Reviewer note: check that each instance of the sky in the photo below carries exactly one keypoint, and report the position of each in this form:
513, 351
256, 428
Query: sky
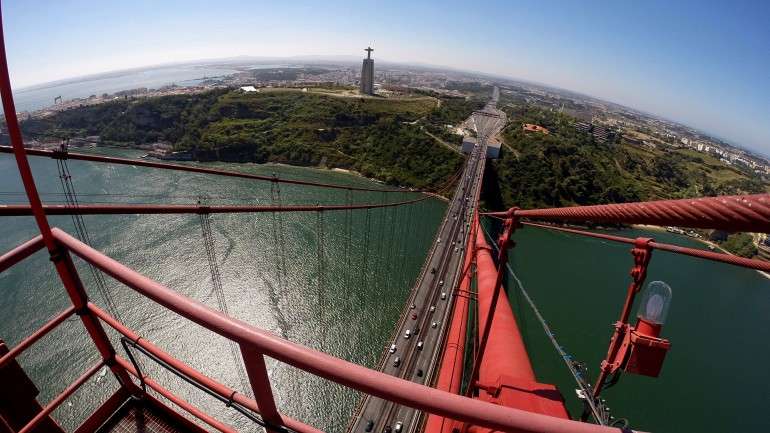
703, 63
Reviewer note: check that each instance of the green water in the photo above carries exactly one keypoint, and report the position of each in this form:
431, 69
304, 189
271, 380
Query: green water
351, 316
715, 378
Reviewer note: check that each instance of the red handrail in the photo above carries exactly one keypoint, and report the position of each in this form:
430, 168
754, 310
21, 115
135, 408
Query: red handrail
21, 252
37, 335
320, 364
59, 399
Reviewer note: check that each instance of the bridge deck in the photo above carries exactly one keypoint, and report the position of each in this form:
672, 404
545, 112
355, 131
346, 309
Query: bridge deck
417, 356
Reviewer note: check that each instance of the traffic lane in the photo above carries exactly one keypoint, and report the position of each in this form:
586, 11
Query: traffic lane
425, 289
373, 406
412, 351
431, 338
374, 409
422, 314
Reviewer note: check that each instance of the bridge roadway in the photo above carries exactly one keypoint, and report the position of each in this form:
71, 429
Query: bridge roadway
416, 357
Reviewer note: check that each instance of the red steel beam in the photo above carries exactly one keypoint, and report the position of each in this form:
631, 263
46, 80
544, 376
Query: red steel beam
745, 213
37, 335
191, 168
189, 408
505, 348
56, 402
328, 367
134, 209
62, 261
506, 376
220, 389
730, 259
17, 146
21, 252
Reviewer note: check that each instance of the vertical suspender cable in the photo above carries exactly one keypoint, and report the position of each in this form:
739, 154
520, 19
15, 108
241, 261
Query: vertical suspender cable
216, 279
391, 242
320, 256
348, 233
68, 188
367, 228
277, 241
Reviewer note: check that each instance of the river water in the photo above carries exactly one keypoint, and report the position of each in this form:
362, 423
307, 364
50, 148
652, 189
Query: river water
714, 378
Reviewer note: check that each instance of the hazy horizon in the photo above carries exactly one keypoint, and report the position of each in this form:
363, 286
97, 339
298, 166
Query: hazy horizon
701, 65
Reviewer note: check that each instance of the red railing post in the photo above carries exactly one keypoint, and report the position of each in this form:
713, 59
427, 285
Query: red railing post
260, 385
642, 253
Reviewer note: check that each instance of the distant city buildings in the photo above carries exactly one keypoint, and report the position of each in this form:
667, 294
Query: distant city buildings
367, 73
600, 133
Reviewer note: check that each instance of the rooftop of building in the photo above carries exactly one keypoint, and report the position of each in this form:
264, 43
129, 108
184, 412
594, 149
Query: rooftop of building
529, 127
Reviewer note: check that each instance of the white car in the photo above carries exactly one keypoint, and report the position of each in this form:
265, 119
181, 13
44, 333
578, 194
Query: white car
392, 348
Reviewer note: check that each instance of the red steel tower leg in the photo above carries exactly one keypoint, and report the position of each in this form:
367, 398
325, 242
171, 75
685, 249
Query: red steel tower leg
61, 258
504, 243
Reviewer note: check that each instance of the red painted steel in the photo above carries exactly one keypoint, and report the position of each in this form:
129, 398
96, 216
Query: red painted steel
104, 411
486, 324
222, 390
642, 254
19, 402
123, 209
37, 335
56, 402
260, 385
320, 364
14, 132
21, 252
452, 362
505, 353
186, 406
62, 261
693, 252
191, 168
506, 376
747, 213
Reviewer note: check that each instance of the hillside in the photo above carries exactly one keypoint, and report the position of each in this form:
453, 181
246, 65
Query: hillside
381, 138
387, 139
567, 167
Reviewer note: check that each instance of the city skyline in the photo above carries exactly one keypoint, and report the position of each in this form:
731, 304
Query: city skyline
704, 66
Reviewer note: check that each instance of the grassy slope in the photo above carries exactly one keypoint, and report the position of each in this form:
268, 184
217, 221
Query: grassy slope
567, 167
369, 135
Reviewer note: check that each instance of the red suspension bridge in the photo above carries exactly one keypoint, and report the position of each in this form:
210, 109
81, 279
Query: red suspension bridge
422, 383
